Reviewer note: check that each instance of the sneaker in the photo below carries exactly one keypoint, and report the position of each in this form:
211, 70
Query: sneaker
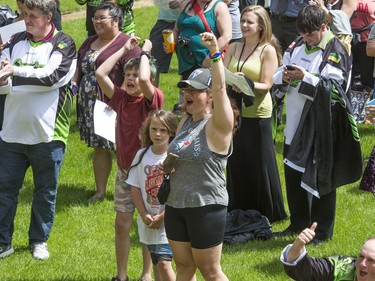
40, 251
6, 250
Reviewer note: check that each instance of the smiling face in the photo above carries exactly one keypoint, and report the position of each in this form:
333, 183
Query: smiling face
104, 23
250, 25
365, 265
131, 82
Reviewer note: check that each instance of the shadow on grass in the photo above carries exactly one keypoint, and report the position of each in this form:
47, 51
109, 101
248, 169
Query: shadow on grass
68, 195
270, 266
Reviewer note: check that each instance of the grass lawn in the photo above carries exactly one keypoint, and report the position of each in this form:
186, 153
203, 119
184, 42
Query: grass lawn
82, 239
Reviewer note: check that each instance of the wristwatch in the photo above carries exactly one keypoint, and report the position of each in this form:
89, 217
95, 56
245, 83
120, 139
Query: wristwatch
146, 53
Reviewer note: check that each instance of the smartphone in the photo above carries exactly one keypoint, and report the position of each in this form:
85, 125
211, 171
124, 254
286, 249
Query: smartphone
290, 67
169, 163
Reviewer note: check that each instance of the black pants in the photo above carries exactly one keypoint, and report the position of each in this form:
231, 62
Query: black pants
363, 64
305, 208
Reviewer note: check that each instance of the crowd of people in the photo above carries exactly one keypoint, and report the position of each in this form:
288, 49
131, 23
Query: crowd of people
224, 139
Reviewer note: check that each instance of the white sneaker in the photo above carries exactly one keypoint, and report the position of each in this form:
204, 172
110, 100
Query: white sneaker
40, 251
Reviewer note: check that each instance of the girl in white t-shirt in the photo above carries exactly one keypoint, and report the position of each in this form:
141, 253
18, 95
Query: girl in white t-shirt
145, 179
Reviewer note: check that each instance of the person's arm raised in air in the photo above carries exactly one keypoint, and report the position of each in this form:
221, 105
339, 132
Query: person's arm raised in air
105, 68
145, 83
220, 126
299, 244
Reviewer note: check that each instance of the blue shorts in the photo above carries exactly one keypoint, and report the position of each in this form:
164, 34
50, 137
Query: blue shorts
160, 252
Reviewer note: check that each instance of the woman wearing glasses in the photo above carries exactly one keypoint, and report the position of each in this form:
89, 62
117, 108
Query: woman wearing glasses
93, 52
195, 212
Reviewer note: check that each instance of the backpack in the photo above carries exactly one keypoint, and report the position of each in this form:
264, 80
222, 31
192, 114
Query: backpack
6, 15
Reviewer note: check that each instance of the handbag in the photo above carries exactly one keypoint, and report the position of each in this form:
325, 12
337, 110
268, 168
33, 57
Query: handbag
164, 190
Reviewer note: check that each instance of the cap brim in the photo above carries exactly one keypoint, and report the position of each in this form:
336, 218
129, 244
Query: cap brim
194, 84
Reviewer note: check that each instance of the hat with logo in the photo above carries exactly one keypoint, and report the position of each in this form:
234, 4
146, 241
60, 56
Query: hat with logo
199, 79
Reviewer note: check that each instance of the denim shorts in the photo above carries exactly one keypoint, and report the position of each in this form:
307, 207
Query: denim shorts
160, 252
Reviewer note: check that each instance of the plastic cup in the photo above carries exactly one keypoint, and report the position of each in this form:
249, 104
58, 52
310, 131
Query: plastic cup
168, 40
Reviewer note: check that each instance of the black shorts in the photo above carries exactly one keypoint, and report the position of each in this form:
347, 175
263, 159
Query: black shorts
203, 227
163, 60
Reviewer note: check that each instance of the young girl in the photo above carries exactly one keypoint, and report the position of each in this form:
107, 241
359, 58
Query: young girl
145, 179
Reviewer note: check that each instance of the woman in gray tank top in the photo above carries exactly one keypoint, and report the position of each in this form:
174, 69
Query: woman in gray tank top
197, 204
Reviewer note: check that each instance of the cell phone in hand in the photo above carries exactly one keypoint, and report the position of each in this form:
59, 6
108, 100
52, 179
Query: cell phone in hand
290, 67
169, 163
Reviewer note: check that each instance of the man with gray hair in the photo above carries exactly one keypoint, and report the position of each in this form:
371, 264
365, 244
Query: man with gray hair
36, 68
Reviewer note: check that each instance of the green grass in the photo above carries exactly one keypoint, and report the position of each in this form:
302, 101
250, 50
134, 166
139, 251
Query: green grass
82, 240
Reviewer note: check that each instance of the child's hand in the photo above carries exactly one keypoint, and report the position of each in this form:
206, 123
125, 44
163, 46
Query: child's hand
157, 222
131, 43
147, 220
147, 45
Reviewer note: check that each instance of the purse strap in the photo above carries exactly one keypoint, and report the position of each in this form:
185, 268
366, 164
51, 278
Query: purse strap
199, 13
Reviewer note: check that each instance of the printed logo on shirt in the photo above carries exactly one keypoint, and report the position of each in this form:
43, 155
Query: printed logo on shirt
154, 178
334, 57
62, 45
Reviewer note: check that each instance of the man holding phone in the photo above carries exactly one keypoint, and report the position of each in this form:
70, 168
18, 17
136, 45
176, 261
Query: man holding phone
315, 75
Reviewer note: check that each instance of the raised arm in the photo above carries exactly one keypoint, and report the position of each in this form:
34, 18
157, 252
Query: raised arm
219, 128
102, 73
145, 82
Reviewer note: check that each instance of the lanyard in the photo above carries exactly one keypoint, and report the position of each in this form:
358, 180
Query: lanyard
239, 69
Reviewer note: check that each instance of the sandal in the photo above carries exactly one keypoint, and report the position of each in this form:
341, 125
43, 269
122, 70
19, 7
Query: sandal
96, 199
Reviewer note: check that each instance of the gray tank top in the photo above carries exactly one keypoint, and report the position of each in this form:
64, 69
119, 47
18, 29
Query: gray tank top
199, 178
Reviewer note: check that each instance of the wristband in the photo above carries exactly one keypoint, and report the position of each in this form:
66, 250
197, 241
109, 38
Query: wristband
213, 60
215, 55
145, 53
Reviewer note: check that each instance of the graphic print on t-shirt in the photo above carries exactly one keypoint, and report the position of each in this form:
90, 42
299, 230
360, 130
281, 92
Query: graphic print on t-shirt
154, 178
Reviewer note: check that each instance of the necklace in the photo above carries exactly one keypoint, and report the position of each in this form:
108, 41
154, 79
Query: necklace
239, 69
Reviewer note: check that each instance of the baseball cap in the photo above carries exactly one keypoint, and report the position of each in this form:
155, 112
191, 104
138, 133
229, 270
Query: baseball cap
199, 79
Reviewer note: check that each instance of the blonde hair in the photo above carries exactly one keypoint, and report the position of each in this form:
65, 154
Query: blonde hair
266, 36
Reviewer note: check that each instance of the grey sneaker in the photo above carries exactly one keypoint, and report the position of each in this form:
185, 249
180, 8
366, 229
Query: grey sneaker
40, 251
6, 250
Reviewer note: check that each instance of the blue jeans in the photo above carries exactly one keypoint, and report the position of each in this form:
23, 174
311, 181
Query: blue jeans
45, 160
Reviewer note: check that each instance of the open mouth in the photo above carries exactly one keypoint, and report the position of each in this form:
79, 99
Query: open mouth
188, 102
362, 273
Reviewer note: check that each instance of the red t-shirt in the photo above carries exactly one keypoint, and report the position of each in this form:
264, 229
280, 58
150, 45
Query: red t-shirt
131, 112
